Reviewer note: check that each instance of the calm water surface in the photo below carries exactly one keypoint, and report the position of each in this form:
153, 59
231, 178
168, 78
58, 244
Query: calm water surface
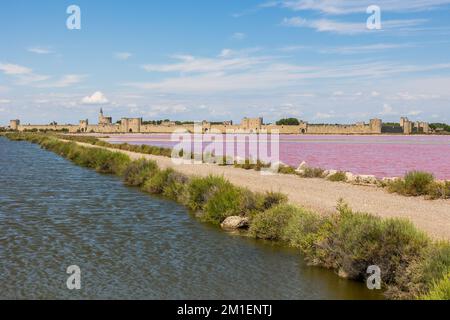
54, 214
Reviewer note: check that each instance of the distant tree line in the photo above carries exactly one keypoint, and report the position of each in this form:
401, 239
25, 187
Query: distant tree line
391, 124
288, 122
155, 122
444, 126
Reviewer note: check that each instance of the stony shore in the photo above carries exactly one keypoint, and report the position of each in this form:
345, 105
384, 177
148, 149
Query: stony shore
321, 195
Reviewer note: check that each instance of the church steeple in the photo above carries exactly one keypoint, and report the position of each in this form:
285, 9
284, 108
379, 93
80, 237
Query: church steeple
101, 111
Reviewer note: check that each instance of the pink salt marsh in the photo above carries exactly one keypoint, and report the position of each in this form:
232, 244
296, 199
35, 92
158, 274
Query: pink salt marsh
382, 156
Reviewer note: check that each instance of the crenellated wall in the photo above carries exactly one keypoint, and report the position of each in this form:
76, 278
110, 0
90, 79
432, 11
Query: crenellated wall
29, 127
248, 125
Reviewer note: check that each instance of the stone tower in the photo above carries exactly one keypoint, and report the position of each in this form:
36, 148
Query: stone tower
375, 125
407, 127
130, 125
84, 125
14, 124
252, 124
102, 120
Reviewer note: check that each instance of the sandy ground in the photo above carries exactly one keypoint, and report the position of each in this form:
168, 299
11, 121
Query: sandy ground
321, 195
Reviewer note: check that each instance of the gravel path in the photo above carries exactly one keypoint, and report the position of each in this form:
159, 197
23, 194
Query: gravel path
321, 195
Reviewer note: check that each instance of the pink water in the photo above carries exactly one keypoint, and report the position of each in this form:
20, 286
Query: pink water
382, 156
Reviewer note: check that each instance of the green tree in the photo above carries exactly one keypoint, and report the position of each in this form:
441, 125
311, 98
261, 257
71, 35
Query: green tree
288, 122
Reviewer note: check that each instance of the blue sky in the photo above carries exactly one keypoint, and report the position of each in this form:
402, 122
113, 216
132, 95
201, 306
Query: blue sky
220, 60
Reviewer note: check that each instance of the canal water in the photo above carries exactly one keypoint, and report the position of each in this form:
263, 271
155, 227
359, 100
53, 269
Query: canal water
130, 245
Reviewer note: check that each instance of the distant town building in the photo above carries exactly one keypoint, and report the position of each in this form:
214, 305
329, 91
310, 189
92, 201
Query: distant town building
410, 127
102, 120
252, 124
14, 124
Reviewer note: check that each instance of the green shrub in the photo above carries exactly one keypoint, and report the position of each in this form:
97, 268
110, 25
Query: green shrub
396, 186
247, 164
176, 187
418, 278
415, 183
157, 182
359, 240
272, 199
309, 172
305, 230
439, 190
251, 202
139, 171
201, 189
440, 290
101, 160
338, 177
225, 201
271, 224
286, 170
112, 163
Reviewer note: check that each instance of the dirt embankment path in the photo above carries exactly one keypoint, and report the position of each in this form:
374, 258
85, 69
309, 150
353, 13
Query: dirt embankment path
321, 195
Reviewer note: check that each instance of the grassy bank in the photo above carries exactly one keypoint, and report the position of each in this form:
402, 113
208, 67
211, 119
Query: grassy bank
412, 265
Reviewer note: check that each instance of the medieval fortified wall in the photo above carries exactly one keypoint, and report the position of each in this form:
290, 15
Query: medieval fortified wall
248, 125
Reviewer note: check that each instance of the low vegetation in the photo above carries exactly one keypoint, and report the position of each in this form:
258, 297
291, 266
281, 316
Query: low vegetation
249, 165
339, 176
417, 183
440, 290
310, 172
286, 169
413, 266
145, 149
348, 242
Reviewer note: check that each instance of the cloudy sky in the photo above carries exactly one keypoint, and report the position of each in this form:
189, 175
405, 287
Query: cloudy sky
225, 59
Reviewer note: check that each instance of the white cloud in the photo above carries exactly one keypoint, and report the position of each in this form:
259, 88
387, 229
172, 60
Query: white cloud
366, 48
225, 53
323, 115
23, 75
302, 95
122, 55
414, 113
388, 110
244, 72
4, 101
341, 7
14, 69
40, 50
96, 98
348, 28
406, 96
293, 48
227, 60
238, 36
63, 82
41, 101
375, 94
165, 109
